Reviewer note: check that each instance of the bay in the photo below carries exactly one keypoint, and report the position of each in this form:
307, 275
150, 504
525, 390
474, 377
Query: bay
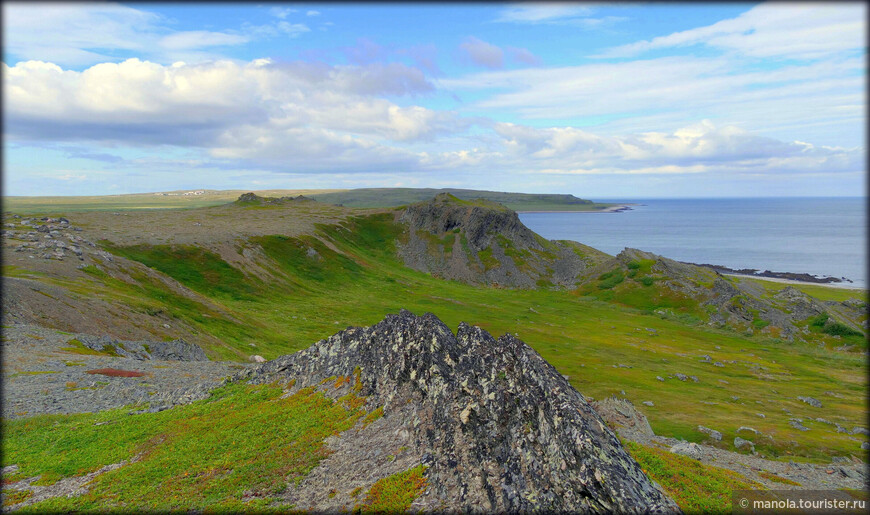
818, 236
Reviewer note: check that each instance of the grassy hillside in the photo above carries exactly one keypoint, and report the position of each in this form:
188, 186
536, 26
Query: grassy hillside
232, 452
390, 197
604, 341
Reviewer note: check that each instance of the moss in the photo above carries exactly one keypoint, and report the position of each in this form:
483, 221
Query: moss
394, 494
777, 479
374, 415
487, 259
13, 497
695, 487
77, 347
759, 323
208, 455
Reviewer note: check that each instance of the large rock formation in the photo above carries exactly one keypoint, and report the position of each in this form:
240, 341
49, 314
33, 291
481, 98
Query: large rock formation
498, 427
482, 242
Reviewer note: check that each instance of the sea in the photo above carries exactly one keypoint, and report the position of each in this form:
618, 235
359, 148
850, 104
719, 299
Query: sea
818, 236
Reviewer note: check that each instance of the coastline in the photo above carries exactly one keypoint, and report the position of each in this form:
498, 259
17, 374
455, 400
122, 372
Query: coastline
618, 208
839, 286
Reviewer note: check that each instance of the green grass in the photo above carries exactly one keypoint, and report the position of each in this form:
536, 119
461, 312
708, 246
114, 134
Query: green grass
206, 455
610, 279
77, 347
777, 479
820, 292
394, 494
822, 322
194, 267
695, 487
33, 373
374, 415
582, 333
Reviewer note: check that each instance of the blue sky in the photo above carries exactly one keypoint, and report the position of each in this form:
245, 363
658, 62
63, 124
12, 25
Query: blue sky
601, 100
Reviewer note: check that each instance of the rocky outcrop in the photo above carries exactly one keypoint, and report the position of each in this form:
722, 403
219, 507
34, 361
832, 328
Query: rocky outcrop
482, 242
252, 198
497, 426
175, 350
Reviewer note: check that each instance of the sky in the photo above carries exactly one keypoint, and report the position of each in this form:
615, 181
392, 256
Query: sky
612, 100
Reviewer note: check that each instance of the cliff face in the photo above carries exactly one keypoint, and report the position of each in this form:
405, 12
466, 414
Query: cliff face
482, 242
497, 426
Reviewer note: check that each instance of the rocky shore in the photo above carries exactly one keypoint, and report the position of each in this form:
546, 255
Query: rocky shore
789, 276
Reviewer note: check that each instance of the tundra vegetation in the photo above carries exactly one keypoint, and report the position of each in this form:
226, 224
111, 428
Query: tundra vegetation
616, 333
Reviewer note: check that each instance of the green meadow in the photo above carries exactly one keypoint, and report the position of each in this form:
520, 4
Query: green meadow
606, 339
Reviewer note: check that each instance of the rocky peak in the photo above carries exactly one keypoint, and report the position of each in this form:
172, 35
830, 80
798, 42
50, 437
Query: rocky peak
498, 427
479, 219
482, 242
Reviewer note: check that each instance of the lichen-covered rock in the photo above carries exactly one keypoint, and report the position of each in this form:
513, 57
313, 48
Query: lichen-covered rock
175, 350
498, 427
692, 450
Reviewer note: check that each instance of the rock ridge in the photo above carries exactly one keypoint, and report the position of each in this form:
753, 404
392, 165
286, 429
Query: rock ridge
483, 242
498, 427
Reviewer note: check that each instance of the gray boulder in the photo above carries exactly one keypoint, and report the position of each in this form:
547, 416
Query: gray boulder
740, 443
811, 401
689, 449
797, 424
712, 433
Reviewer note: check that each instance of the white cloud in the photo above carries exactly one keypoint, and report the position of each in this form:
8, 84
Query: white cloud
281, 12
257, 111
482, 53
792, 31
668, 91
698, 148
81, 34
64, 32
542, 12
200, 39
293, 29
72, 177
312, 13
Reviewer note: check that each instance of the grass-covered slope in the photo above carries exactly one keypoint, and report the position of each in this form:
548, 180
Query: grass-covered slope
698, 294
235, 451
391, 197
348, 273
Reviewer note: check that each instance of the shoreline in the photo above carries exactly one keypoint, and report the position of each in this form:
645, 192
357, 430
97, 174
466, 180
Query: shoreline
839, 286
619, 208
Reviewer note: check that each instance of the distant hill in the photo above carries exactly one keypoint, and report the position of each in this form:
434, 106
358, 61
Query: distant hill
391, 197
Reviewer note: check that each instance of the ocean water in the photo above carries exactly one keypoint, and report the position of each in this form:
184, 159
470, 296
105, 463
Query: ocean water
819, 236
